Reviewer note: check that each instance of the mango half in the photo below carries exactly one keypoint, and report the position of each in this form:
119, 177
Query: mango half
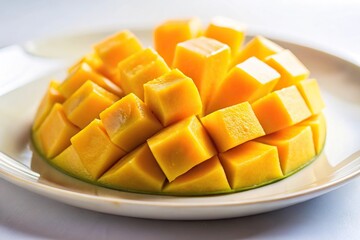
204, 115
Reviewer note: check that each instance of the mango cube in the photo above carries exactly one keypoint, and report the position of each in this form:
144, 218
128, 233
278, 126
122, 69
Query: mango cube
137, 171
318, 128
310, 91
140, 68
205, 61
290, 68
227, 31
206, 177
251, 164
181, 146
117, 47
168, 34
281, 109
231, 126
95, 149
83, 73
295, 146
51, 97
87, 103
54, 134
172, 97
129, 122
247, 81
259, 47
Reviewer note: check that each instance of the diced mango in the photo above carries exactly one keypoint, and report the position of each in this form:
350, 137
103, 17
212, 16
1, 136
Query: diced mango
140, 68
295, 146
281, 109
129, 122
247, 81
251, 164
95, 149
172, 97
231, 126
207, 177
54, 134
205, 61
318, 128
51, 97
181, 146
82, 74
310, 91
87, 103
227, 31
290, 68
259, 47
137, 171
117, 47
69, 161
168, 34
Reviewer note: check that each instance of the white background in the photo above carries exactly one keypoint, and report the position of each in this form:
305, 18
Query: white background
328, 24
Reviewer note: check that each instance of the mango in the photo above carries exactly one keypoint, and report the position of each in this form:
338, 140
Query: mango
140, 68
117, 47
227, 31
295, 146
87, 103
251, 164
205, 61
54, 134
310, 91
181, 146
207, 177
171, 32
281, 109
137, 171
318, 129
172, 97
290, 68
247, 81
129, 122
231, 126
51, 97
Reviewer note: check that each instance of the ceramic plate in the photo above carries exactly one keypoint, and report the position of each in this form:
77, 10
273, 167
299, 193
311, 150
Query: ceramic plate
26, 71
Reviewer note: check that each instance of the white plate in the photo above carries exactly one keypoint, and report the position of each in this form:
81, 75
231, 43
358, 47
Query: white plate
339, 163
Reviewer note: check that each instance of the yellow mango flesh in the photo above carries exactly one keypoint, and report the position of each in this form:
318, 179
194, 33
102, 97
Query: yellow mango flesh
281, 109
206, 177
290, 68
205, 61
129, 122
227, 31
247, 81
87, 103
310, 91
140, 68
168, 34
54, 134
172, 97
231, 126
259, 47
137, 171
82, 74
95, 149
295, 146
318, 128
51, 97
117, 47
251, 164
181, 146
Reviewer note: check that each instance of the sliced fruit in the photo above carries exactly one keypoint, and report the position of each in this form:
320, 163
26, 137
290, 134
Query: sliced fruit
310, 91
129, 122
172, 97
181, 146
318, 128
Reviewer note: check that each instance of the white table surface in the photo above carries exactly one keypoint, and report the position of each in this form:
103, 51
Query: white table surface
330, 24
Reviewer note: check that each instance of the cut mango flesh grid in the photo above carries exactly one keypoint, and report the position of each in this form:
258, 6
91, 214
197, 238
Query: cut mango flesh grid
201, 114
